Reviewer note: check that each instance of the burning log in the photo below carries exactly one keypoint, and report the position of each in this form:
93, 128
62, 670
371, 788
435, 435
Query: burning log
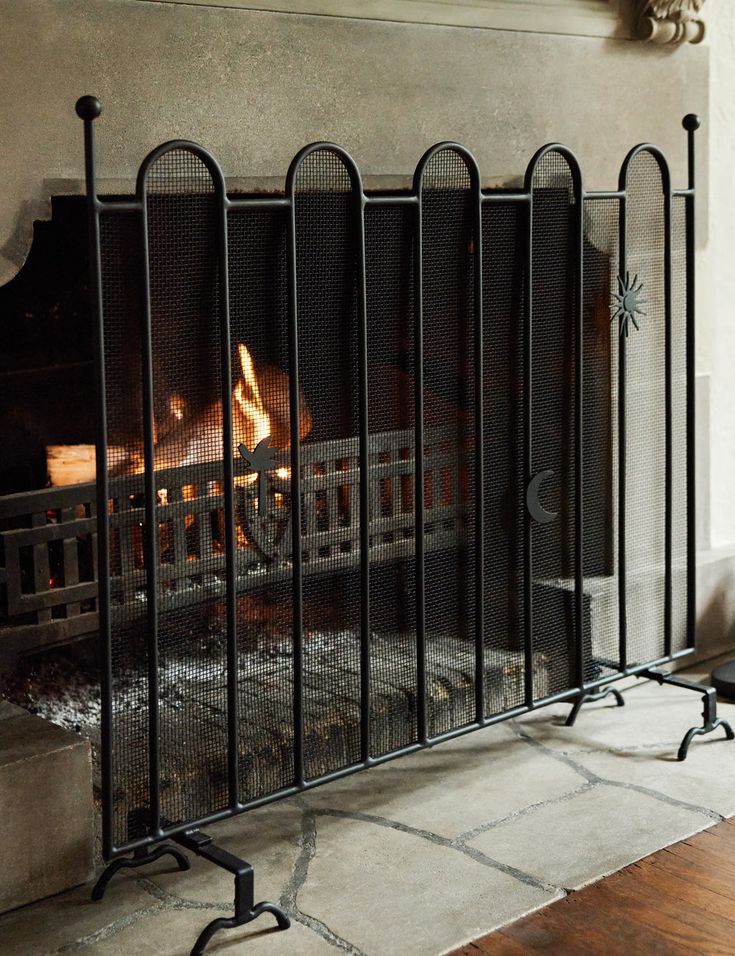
75, 464
70, 464
260, 409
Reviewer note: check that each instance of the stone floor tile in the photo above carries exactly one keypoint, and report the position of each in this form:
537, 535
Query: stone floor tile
693, 781
41, 928
495, 773
573, 841
654, 718
173, 932
393, 894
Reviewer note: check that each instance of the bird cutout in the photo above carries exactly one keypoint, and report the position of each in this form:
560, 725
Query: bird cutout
628, 303
259, 460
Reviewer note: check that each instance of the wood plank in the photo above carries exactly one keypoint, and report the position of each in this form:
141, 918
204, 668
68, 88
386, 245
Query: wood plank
724, 836
689, 870
682, 926
581, 925
499, 944
677, 902
714, 860
688, 892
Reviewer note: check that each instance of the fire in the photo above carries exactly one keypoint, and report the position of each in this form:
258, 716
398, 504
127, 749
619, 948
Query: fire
256, 421
190, 436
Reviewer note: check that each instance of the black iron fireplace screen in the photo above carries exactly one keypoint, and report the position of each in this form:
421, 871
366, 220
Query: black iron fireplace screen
378, 469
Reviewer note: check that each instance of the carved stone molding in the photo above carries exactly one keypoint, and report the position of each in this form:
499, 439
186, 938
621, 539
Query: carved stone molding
671, 21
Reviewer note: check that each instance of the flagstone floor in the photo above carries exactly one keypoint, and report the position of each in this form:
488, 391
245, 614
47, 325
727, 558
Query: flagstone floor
429, 851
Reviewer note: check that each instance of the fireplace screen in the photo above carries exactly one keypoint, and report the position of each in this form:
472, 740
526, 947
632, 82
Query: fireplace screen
377, 469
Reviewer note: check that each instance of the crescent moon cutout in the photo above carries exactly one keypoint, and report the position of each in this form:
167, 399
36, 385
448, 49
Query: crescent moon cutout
535, 508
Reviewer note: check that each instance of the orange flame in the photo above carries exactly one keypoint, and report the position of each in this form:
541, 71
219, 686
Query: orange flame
255, 420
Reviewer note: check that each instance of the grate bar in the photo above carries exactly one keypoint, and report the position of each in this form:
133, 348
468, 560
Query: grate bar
150, 530
528, 433
88, 108
622, 410
364, 426
419, 485
668, 400
691, 125
228, 446
579, 373
295, 444
479, 464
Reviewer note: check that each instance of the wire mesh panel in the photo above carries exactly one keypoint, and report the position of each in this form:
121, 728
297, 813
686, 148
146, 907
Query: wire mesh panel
553, 418
448, 399
128, 744
484, 502
259, 344
600, 411
326, 236
183, 264
389, 235
503, 371
645, 398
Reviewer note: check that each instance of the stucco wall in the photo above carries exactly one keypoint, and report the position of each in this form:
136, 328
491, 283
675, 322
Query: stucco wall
255, 87
716, 285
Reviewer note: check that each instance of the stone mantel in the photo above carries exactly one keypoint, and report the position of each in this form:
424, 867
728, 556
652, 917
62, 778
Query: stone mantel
659, 21
602, 18
255, 86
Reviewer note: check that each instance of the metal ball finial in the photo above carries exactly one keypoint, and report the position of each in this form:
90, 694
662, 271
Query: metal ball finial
691, 122
88, 107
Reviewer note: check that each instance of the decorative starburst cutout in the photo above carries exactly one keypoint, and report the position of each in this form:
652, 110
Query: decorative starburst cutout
628, 304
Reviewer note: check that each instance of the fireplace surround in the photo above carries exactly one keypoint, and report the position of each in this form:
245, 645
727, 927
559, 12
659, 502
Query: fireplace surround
373, 470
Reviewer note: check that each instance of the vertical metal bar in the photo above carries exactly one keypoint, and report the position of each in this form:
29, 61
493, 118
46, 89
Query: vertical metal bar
691, 125
579, 432
418, 277
364, 483
622, 340
233, 757
88, 108
479, 501
528, 449
668, 412
294, 411
150, 544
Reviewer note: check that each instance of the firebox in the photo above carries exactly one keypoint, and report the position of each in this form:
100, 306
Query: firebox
373, 469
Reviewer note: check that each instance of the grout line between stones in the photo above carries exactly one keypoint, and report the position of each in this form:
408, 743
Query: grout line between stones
327, 934
289, 895
106, 932
532, 807
453, 844
593, 778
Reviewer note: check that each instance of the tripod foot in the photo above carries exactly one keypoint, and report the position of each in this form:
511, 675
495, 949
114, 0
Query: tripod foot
700, 731
710, 720
139, 858
230, 922
591, 696
246, 910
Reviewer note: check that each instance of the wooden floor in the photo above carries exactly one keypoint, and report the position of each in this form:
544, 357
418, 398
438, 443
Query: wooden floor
678, 901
